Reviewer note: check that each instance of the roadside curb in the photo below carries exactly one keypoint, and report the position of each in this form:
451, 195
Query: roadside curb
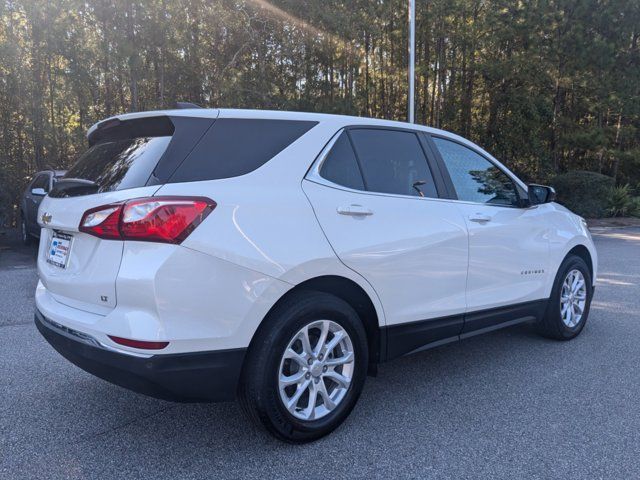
606, 229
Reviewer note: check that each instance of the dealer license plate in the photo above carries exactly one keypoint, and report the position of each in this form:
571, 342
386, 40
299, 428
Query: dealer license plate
59, 249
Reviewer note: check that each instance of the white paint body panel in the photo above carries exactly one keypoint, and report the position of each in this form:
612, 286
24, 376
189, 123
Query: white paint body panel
92, 268
413, 250
272, 230
508, 255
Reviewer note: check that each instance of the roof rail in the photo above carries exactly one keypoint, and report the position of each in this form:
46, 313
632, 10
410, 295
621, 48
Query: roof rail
183, 105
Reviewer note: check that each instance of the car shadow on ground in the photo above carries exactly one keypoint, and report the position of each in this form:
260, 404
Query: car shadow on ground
388, 399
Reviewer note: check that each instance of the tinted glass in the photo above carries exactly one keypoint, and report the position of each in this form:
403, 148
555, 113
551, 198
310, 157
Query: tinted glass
119, 164
392, 161
474, 177
233, 147
341, 166
41, 181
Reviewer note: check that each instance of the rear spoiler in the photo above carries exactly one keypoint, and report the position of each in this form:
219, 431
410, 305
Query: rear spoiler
115, 128
183, 110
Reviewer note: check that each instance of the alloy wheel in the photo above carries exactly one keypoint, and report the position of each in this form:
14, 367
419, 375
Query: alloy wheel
316, 370
573, 298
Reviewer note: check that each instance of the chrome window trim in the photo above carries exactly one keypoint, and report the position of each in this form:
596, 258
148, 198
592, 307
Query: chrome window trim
313, 175
314, 172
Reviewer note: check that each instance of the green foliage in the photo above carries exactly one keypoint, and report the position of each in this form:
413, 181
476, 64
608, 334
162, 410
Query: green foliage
584, 193
621, 203
545, 86
634, 207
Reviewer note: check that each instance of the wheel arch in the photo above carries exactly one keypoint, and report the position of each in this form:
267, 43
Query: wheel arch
583, 252
352, 293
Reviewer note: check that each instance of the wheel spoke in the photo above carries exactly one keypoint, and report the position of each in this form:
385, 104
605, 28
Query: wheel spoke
304, 338
324, 331
337, 338
326, 398
569, 281
334, 362
338, 378
293, 401
309, 412
291, 354
574, 282
286, 380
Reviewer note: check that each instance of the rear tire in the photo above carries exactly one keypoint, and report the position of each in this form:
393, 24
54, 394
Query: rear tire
25, 236
570, 300
267, 368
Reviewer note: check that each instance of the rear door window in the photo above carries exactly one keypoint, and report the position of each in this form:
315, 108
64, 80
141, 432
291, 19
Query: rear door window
393, 161
341, 165
235, 146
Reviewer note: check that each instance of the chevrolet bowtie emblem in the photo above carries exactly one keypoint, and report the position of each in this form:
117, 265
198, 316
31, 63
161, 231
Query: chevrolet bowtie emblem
46, 218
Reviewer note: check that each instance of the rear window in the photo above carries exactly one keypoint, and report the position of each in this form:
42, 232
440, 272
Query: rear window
234, 147
122, 154
118, 164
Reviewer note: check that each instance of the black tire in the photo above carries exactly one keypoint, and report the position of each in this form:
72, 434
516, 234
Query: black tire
552, 325
26, 237
259, 393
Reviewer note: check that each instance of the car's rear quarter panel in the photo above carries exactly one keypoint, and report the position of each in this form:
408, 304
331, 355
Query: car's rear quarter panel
263, 221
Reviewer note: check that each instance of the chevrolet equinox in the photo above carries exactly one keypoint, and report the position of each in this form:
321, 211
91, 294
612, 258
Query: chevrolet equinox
279, 257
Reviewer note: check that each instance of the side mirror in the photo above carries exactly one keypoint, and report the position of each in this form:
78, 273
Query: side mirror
38, 191
539, 194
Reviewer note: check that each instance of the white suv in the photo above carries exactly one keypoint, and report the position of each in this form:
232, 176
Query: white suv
278, 257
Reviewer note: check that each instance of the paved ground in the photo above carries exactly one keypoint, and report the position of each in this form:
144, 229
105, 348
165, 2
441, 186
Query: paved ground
504, 405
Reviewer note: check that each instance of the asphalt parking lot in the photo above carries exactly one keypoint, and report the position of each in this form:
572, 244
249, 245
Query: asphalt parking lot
505, 405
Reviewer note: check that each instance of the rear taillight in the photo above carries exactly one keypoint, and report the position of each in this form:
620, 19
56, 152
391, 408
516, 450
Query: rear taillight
152, 219
102, 221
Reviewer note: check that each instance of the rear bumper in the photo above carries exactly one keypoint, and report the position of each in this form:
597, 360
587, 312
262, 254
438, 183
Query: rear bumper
183, 377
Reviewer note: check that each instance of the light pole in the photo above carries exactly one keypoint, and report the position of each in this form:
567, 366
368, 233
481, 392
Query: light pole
412, 57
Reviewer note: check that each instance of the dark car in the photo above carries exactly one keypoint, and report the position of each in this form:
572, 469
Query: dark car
39, 186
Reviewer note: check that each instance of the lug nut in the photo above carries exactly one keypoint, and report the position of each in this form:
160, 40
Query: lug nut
310, 361
307, 375
317, 380
324, 369
321, 357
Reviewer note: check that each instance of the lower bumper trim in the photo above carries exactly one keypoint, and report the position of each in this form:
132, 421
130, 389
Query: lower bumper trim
183, 377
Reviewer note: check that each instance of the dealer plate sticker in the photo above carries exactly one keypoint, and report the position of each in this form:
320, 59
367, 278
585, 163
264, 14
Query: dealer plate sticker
59, 249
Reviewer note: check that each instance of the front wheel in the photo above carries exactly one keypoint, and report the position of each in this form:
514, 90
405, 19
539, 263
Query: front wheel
305, 371
570, 300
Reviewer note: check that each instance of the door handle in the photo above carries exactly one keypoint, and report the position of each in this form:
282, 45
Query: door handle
479, 218
355, 211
